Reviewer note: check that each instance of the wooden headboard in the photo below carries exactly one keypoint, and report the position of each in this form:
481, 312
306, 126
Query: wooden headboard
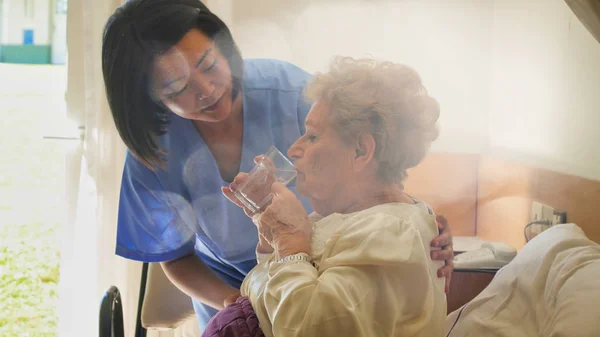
448, 183
507, 190
491, 197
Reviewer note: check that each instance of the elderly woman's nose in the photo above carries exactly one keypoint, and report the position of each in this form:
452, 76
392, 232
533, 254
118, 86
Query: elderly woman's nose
294, 151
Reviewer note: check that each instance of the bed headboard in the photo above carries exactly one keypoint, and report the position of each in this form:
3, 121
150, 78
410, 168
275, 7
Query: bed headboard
491, 197
507, 189
448, 183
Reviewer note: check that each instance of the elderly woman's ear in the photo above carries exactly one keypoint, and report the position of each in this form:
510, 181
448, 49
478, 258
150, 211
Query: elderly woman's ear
365, 151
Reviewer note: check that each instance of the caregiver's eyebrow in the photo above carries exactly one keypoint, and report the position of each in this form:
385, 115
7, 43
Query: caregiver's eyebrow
203, 57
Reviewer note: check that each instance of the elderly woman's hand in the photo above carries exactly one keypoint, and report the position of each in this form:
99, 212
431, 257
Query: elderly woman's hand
287, 222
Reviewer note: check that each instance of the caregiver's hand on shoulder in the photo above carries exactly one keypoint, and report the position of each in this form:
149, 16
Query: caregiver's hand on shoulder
446, 253
287, 221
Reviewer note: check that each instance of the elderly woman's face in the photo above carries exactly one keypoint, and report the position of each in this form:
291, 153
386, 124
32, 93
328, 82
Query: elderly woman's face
193, 79
322, 159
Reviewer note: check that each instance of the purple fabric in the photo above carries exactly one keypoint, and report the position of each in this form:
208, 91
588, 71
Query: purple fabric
236, 320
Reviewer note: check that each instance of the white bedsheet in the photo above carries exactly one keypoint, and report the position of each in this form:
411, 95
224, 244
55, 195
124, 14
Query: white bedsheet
551, 289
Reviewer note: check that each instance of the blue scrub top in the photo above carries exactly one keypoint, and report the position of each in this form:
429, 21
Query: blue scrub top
165, 214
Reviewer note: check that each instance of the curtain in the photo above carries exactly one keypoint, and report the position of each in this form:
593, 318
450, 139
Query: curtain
89, 265
588, 12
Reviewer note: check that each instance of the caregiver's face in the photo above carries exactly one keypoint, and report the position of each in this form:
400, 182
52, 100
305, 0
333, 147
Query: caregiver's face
322, 159
193, 79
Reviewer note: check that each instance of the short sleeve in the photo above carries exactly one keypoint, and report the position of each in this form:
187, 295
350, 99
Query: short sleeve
154, 225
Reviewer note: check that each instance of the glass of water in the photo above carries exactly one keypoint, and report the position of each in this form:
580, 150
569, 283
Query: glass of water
255, 192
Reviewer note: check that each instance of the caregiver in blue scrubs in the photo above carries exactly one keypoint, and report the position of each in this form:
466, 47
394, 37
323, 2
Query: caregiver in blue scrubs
193, 114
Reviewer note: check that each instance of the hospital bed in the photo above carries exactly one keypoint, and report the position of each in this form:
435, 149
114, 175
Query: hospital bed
550, 289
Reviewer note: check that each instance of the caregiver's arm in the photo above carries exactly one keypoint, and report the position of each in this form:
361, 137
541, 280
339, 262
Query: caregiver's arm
195, 279
157, 225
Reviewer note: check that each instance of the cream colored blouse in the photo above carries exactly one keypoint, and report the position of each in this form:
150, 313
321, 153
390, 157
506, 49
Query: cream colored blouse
372, 277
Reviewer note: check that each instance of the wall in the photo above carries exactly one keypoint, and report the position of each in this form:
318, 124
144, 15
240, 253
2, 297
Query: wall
59, 31
26, 14
544, 117
446, 41
519, 76
516, 78
545, 106
20, 15
3, 20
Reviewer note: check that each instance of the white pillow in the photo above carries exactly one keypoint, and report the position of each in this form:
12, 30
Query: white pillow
549, 289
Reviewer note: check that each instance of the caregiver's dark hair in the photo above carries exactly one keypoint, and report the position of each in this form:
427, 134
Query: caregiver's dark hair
134, 35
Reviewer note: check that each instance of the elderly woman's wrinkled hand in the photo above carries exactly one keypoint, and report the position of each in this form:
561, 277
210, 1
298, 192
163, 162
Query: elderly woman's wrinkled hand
287, 222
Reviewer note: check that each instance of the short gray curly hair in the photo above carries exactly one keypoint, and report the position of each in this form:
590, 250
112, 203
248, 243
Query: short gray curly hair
386, 100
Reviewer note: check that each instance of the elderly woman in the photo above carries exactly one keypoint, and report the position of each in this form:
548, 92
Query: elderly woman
359, 265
